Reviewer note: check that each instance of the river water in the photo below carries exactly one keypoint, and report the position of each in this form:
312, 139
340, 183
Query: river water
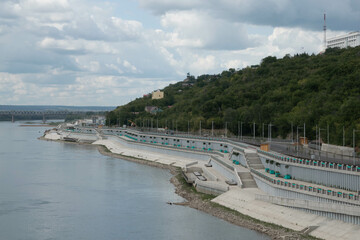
51, 190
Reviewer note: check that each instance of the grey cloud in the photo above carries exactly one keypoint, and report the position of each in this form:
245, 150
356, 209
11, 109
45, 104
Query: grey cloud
307, 14
8, 9
85, 28
160, 7
21, 54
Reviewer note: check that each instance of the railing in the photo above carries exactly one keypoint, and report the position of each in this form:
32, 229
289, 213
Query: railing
312, 205
315, 154
313, 163
306, 188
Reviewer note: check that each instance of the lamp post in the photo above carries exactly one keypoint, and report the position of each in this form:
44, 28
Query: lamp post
254, 130
297, 140
188, 128
225, 129
241, 131
354, 145
328, 138
269, 131
320, 140
212, 128
200, 128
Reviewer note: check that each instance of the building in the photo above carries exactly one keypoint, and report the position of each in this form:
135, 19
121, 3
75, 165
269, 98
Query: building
348, 40
157, 94
152, 109
98, 120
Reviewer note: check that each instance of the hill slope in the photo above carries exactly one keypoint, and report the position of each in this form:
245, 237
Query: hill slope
317, 90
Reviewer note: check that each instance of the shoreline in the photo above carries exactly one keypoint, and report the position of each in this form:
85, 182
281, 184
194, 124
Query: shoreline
202, 202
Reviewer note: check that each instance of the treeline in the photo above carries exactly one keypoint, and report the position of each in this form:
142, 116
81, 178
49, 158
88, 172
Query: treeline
319, 90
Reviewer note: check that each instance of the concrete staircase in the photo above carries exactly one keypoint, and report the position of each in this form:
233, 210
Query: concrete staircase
247, 180
253, 160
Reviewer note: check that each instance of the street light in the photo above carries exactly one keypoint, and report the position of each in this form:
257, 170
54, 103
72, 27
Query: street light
319, 141
269, 131
297, 139
254, 130
241, 131
225, 129
188, 128
212, 128
354, 131
200, 128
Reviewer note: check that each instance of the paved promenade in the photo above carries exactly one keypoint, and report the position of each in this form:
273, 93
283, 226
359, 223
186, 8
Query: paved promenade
240, 199
243, 201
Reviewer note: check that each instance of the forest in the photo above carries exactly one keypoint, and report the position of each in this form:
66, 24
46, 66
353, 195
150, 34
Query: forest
321, 91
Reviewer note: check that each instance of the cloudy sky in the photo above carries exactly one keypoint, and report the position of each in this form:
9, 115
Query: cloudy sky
98, 52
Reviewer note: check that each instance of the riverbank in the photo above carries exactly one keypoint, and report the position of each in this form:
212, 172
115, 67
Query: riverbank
203, 202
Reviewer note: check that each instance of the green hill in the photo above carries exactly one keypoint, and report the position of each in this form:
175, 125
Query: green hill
316, 90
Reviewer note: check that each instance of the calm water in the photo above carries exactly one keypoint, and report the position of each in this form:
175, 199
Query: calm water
51, 190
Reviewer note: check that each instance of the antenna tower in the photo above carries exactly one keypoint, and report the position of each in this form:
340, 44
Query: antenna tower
324, 31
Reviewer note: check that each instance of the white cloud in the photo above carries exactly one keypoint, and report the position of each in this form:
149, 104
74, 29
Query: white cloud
46, 5
75, 51
199, 29
79, 46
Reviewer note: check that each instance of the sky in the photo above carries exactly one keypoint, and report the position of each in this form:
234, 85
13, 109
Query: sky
107, 53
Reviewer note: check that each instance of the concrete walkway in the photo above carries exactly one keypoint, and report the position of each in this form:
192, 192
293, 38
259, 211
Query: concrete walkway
243, 201
118, 148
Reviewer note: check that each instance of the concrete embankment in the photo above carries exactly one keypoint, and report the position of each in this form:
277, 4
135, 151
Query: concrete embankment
242, 201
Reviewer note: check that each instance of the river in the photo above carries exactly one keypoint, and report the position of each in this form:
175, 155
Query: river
52, 190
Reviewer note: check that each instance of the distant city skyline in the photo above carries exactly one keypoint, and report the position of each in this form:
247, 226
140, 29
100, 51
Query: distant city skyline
105, 53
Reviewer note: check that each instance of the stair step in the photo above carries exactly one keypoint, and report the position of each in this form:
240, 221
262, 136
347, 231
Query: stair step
250, 185
257, 166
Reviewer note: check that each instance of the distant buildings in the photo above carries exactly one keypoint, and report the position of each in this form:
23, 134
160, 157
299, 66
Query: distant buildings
348, 40
98, 120
157, 94
152, 109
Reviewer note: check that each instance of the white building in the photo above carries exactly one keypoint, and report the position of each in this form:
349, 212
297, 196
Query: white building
348, 40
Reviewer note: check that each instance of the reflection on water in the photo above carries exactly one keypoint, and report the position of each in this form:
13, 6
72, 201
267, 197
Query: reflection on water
51, 190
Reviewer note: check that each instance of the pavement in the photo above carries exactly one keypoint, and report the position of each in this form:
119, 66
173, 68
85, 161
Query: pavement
118, 148
243, 201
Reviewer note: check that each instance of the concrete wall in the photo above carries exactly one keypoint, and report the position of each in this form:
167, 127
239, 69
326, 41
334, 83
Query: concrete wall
211, 187
225, 171
341, 212
337, 149
158, 149
327, 177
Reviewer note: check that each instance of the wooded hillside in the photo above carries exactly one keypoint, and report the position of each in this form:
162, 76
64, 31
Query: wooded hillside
316, 90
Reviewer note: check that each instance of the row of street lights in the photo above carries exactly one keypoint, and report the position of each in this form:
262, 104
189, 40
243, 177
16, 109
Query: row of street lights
270, 125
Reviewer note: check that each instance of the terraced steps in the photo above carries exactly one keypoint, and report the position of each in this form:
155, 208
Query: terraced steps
247, 180
253, 160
